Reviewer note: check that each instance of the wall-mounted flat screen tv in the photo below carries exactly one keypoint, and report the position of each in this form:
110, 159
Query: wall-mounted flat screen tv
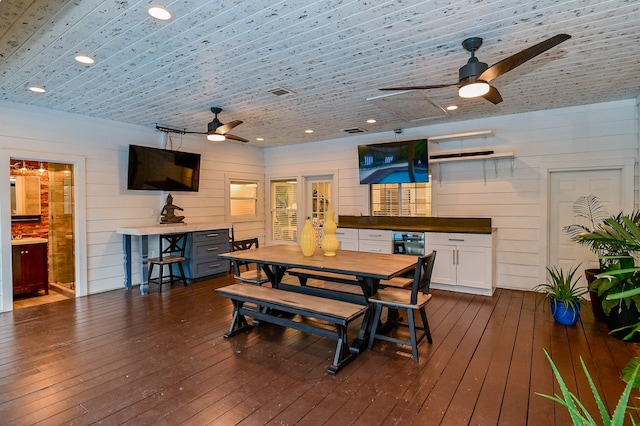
394, 162
155, 169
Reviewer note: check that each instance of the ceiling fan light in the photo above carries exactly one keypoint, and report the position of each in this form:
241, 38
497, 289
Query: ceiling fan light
160, 13
473, 90
215, 137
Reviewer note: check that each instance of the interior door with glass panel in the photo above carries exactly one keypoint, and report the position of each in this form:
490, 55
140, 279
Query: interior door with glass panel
318, 200
319, 197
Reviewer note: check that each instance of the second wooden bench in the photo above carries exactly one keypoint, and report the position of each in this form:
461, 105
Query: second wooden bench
269, 300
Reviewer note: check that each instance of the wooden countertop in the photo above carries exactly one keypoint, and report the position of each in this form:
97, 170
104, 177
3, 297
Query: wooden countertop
419, 224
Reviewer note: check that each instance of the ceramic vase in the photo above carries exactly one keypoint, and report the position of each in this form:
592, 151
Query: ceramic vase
329, 243
308, 238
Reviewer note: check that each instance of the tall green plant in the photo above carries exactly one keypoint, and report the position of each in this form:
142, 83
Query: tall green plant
578, 412
619, 236
593, 212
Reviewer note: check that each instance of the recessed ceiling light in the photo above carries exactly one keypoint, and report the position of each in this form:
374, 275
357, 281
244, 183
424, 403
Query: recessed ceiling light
85, 59
308, 131
371, 120
259, 139
160, 13
37, 89
452, 107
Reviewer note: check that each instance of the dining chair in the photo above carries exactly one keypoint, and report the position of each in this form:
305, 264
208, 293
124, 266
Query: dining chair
172, 248
251, 274
406, 300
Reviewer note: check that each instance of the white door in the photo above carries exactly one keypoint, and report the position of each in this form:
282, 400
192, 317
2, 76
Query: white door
319, 196
565, 188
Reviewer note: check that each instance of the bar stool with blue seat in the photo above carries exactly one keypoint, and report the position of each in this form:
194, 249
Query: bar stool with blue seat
172, 248
407, 300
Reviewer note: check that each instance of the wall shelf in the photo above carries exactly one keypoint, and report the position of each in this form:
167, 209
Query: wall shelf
465, 135
472, 158
483, 158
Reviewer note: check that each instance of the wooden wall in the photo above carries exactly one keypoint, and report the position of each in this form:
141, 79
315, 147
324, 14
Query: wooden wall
514, 199
42, 134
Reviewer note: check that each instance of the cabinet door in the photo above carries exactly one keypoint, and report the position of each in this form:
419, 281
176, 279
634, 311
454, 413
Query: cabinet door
444, 270
474, 267
348, 238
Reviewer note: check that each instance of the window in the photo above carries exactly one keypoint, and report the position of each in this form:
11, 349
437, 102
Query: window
284, 210
401, 199
243, 198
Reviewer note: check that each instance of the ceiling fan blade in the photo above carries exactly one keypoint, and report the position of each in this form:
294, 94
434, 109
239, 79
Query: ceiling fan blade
227, 127
493, 95
507, 64
235, 138
432, 86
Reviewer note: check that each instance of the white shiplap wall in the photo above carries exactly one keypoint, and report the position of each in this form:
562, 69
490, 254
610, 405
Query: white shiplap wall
103, 145
587, 134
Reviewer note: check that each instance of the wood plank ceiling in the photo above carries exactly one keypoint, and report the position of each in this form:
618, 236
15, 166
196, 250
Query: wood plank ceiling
332, 54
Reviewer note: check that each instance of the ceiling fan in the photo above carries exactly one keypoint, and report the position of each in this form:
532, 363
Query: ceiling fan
216, 130
474, 77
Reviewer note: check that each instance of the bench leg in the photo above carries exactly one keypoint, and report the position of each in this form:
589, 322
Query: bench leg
238, 322
343, 355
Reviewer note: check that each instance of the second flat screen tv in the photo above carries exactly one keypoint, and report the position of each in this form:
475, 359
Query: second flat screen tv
394, 162
162, 169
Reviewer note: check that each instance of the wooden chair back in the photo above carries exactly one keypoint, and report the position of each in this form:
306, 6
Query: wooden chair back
172, 245
245, 244
422, 276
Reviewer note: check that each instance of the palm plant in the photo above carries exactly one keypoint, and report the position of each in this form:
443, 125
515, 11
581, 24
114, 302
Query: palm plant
619, 237
593, 211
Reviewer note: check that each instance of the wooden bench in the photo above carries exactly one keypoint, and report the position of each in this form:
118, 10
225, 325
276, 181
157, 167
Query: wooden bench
268, 299
304, 274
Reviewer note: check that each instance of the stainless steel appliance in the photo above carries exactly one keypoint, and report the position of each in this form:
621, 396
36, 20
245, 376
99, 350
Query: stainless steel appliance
411, 243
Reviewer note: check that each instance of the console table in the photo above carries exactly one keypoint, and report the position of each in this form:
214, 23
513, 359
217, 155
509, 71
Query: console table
143, 233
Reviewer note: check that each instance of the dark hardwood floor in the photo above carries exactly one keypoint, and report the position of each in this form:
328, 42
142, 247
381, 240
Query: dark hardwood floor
119, 357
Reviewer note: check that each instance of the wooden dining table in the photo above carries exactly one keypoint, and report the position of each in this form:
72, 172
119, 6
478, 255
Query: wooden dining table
366, 268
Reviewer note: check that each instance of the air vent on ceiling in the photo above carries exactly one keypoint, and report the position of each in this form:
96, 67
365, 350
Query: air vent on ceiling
354, 130
281, 91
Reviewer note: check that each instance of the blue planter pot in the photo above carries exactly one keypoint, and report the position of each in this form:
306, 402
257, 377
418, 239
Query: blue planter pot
565, 314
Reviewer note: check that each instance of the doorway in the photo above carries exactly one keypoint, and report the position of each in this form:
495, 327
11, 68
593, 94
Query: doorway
565, 186
319, 200
45, 230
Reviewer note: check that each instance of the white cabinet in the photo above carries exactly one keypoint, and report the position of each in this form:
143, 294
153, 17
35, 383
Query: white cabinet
465, 262
348, 238
375, 240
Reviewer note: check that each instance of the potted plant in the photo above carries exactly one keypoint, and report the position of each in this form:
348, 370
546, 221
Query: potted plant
564, 295
577, 409
619, 238
592, 212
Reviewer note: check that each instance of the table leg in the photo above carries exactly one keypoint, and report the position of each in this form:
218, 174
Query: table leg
126, 248
369, 287
144, 264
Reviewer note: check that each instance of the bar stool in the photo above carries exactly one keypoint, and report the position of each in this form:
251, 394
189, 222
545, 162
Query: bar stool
172, 248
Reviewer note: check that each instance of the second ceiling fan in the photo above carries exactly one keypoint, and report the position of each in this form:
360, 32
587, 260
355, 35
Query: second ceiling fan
216, 130
474, 77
